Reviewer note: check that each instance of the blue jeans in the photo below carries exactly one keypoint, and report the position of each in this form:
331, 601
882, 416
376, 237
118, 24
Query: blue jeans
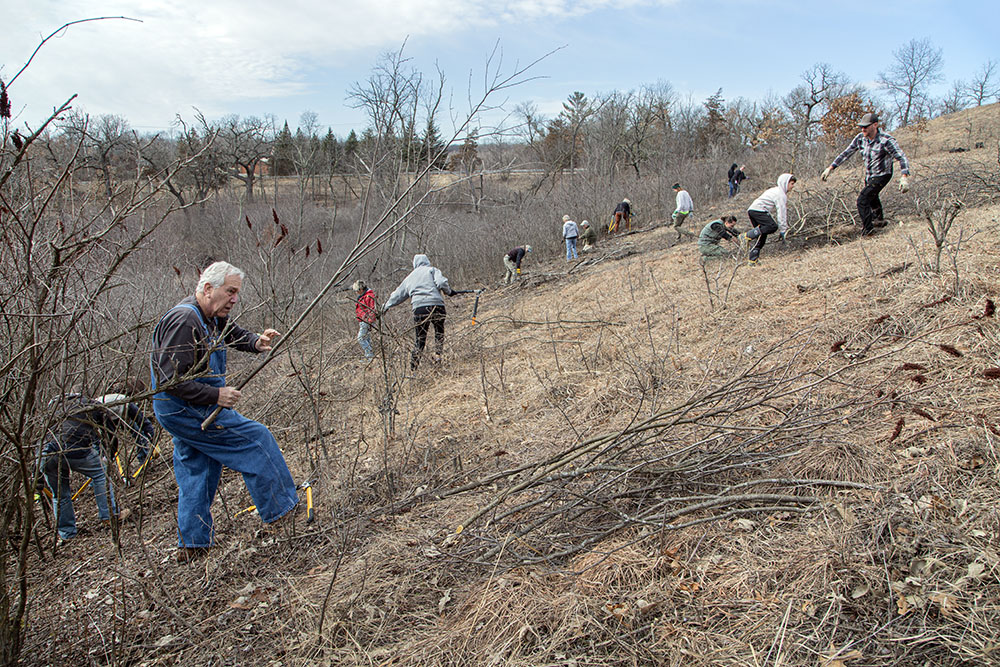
571, 249
364, 339
232, 441
56, 470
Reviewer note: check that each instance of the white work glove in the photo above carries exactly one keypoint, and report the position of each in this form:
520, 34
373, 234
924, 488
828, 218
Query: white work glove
904, 183
826, 173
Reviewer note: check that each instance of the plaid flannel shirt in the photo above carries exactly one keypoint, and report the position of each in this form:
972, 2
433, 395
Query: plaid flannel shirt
877, 153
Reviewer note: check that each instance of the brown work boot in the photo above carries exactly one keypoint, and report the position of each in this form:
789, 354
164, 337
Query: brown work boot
283, 525
189, 554
123, 516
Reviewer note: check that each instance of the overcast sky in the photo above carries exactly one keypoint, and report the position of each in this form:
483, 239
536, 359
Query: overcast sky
253, 57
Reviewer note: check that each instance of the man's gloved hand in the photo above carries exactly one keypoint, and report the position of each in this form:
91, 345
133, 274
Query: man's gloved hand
904, 183
518, 270
826, 173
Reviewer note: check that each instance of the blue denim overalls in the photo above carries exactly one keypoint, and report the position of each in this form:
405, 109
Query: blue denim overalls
233, 441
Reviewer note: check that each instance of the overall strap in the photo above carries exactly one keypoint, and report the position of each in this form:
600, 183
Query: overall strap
201, 319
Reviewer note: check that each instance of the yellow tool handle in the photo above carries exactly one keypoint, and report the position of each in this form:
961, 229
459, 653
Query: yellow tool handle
82, 487
309, 505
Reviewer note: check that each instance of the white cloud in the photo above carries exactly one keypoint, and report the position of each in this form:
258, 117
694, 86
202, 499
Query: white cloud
211, 54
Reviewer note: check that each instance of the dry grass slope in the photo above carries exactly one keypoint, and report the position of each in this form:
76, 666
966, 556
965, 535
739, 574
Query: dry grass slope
806, 476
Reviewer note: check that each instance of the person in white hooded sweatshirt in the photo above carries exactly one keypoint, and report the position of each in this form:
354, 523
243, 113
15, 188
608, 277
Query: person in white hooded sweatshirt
423, 287
570, 233
774, 202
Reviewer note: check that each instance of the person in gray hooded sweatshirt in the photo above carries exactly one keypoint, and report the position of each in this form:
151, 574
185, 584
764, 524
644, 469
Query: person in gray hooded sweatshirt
423, 287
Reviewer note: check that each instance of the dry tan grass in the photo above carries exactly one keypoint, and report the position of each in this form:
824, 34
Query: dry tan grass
777, 588
900, 569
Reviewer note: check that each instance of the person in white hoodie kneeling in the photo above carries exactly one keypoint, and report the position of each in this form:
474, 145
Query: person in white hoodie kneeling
423, 287
774, 202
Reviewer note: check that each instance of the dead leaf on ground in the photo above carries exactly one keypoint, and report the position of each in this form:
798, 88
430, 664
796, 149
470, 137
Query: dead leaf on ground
972, 463
840, 660
945, 602
445, 599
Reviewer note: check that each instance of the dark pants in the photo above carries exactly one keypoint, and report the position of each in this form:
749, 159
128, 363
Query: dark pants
869, 205
763, 224
423, 318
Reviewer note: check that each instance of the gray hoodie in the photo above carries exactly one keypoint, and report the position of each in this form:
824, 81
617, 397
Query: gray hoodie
423, 287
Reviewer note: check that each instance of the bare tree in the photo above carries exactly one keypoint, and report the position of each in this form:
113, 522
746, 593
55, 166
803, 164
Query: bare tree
955, 100
108, 145
808, 101
245, 143
202, 168
983, 85
916, 65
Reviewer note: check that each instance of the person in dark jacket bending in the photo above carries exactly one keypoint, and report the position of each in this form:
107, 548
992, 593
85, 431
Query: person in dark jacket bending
512, 263
131, 421
85, 430
621, 214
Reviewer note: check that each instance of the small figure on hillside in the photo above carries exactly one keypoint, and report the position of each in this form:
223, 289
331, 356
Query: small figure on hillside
133, 422
773, 200
736, 176
364, 313
83, 434
512, 263
712, 234
423, 287
684, 207
878, 150
588, 236
621, 214
570, 233
188, 368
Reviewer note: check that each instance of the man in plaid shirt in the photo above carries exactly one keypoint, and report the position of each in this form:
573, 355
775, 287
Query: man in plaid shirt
878, 150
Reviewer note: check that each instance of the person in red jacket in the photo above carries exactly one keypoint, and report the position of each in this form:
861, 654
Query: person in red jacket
364, 312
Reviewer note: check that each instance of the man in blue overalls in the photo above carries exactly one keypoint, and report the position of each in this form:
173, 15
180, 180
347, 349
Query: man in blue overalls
189, 363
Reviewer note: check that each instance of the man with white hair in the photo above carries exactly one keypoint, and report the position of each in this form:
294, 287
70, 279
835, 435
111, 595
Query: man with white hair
188, 368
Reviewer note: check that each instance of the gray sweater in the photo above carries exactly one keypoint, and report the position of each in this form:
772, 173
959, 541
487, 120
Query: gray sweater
423, 287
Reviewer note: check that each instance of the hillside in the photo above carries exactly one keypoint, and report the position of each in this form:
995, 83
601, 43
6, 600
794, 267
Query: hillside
626, 460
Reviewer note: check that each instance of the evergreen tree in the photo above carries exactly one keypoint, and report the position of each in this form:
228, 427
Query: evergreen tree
284, 153
432, 147
350, 147
330, 151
